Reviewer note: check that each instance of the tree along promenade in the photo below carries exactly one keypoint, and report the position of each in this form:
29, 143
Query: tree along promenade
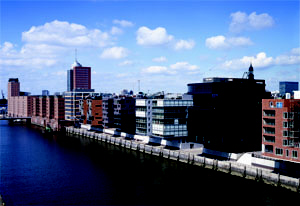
233, 168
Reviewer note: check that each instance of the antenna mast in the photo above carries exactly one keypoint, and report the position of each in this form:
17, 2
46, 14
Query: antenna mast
75, 54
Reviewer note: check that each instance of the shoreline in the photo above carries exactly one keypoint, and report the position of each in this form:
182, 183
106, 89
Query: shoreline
188, 157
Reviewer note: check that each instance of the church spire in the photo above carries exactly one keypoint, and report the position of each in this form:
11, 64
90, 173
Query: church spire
251, 72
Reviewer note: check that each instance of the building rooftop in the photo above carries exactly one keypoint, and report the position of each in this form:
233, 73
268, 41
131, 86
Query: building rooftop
13, 80
76, 64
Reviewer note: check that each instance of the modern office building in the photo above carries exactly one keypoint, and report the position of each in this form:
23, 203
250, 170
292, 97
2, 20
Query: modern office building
91, 111
143, 113
169, 118
288, 87
108, 112
226, 115
124, 114
78, 77
281, 129
72, 111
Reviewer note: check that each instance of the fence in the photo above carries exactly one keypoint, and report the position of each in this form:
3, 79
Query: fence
233, 168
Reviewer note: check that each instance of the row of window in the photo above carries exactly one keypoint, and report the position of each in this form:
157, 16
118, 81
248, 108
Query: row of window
271, 122
271, 113
279, 151
285, 133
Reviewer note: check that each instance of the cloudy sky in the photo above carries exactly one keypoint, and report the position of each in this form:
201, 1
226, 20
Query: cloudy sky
163, 44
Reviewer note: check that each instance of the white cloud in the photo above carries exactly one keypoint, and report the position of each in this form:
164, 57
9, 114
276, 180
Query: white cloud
114, 53
160, 59
63, 33
172, 69
29, 55
184, 44
261, 60
241, 21
116, 31
183, 66
148, 37
126, 63
221, 42
155, 69
123, 23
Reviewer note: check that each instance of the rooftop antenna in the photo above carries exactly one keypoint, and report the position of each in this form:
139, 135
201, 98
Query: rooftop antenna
76, 55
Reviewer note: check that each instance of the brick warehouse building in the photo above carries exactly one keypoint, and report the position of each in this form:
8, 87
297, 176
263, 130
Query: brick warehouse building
280, 129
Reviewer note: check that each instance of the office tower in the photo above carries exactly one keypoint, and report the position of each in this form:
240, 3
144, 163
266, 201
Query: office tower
70, 80
13, 87
288, 87
78, 77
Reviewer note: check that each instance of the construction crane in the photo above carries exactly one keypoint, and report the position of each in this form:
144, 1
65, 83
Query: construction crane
2, 94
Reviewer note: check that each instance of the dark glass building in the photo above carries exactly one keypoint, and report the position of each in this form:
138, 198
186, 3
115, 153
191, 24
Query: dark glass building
226, 115
288, 87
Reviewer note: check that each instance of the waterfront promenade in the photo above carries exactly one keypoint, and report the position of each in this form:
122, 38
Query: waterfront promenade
195, 158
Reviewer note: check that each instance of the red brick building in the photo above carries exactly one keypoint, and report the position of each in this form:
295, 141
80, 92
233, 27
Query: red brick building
48, 111
91, 111
280, 129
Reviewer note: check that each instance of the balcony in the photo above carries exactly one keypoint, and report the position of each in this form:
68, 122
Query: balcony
269, 113
270, 122
269, 130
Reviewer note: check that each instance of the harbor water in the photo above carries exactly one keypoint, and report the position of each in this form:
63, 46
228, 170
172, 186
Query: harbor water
38, 168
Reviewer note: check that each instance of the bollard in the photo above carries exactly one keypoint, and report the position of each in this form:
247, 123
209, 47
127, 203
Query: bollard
229, 169
244, 173
298, 187
278, 180
178, 156
169, 154
203, 162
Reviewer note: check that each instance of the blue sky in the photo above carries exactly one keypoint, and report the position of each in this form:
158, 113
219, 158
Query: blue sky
164, 44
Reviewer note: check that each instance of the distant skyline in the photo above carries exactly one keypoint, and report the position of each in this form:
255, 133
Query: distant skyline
164, 44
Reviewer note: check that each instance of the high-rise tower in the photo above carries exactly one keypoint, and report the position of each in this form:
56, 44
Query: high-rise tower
79, 77
13, 88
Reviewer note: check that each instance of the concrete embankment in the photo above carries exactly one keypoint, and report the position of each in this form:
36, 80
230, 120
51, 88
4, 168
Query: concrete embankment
233, 168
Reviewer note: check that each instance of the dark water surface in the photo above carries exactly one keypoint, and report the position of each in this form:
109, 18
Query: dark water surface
39, 169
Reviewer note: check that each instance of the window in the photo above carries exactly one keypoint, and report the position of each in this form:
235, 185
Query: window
269, 138
279, 151
288, 133
295, 154
269, 113
288, 124
288, 115
287, 152
279, 104
271, 104
269, 148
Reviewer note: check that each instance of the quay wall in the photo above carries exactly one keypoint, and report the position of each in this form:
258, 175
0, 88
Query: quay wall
230, 167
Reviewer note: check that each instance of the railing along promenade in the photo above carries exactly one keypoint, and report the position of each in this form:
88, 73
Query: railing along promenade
230, 167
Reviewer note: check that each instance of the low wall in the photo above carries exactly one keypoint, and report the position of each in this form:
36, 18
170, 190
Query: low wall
230, 167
